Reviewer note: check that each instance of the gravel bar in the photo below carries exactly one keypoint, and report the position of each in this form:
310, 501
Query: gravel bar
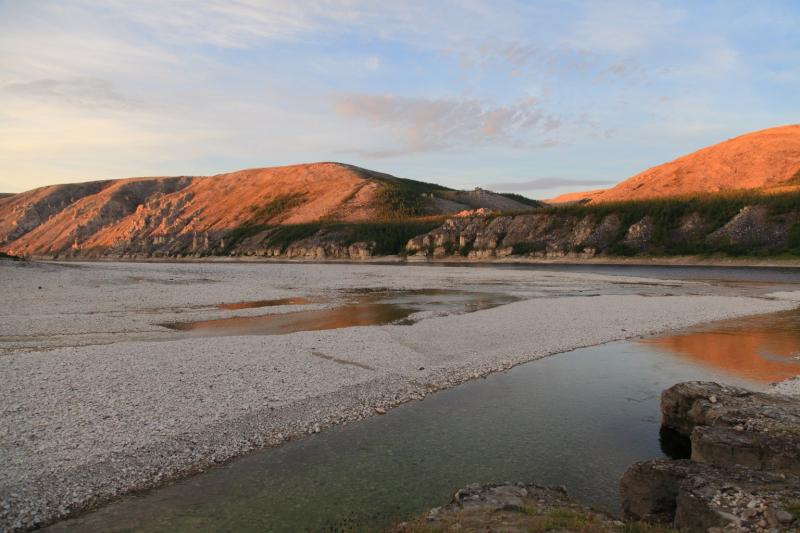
97, 400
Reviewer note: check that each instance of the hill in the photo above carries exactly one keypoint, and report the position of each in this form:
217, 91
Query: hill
195, 214
767, 160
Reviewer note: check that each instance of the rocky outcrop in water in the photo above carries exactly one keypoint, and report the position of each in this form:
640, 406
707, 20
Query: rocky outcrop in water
743, 474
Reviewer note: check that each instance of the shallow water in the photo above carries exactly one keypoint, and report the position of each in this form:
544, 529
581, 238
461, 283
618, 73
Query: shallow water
772, 275
264, 303
763, 348
577, 419
367, 308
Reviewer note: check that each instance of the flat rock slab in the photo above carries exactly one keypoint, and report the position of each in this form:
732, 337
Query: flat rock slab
734, 426
512, 508
702, 497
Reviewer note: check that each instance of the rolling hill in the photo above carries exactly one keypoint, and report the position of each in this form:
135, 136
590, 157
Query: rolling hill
767, 160
194, 215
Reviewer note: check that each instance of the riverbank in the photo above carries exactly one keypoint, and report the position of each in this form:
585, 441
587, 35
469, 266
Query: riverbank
104, 402
683, 260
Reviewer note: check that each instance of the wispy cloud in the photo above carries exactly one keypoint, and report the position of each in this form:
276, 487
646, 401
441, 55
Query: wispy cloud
424, 124
91, 93
550, 182
458, 88
521, 59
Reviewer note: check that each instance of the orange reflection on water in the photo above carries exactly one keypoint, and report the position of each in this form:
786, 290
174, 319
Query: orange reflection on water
764, 348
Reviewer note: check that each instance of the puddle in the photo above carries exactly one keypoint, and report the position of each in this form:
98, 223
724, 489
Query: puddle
265, 303
577, 419
760, 348
365, 308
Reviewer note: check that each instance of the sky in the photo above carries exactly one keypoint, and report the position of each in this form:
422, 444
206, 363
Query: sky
534, 97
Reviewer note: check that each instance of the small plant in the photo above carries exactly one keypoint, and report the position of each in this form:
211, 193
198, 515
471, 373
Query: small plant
794, 180
794, 508
565, 519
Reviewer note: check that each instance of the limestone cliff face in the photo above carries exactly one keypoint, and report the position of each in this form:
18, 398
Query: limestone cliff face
558, 235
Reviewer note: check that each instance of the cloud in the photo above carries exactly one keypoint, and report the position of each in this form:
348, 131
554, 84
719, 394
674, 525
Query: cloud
538, 62
89, 93
426, 124
548, 183
622, 27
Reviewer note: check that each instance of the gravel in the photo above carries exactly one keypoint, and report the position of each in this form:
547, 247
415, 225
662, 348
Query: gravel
789, 387
97, 400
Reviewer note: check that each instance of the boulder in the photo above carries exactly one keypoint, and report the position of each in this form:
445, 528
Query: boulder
699, 497
733, 426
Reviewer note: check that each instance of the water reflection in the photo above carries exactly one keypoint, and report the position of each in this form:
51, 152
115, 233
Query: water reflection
368, 309
346, 316
763, 348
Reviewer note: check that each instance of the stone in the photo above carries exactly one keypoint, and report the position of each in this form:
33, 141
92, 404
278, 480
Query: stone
744, 471
742, 427
511, 508
696, 497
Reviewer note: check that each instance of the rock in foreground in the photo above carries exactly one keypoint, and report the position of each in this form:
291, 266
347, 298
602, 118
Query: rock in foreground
733, 426
512, 508
744, 472
699, 497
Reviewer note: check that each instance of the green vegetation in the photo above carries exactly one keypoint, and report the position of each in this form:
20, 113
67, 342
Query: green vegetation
667, 214
717, 209
680, 226
403, 198
529, 518
794, 508
525, 248
794, 180
522, 199
567, 519
390, 236
279, 205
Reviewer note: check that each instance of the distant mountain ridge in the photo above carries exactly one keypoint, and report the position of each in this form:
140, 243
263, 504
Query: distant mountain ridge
194, 214
767, 160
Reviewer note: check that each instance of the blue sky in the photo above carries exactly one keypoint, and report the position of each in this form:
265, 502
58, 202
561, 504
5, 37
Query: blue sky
533, 97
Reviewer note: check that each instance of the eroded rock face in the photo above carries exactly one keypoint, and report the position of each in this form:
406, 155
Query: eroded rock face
734, 426
537, 235
699, 497
753, 225
640, 234
744, 472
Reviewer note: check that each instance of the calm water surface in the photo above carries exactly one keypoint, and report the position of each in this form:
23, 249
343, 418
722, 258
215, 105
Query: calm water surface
368, 308
577, 419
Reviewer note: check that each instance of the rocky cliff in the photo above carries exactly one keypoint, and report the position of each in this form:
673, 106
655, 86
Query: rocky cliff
739, 225
189, 215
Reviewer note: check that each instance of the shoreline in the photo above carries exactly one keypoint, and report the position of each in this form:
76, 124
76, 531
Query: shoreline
660, 261
406, 363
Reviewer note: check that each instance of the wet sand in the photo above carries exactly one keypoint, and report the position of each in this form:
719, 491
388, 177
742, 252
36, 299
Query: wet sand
98, 399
